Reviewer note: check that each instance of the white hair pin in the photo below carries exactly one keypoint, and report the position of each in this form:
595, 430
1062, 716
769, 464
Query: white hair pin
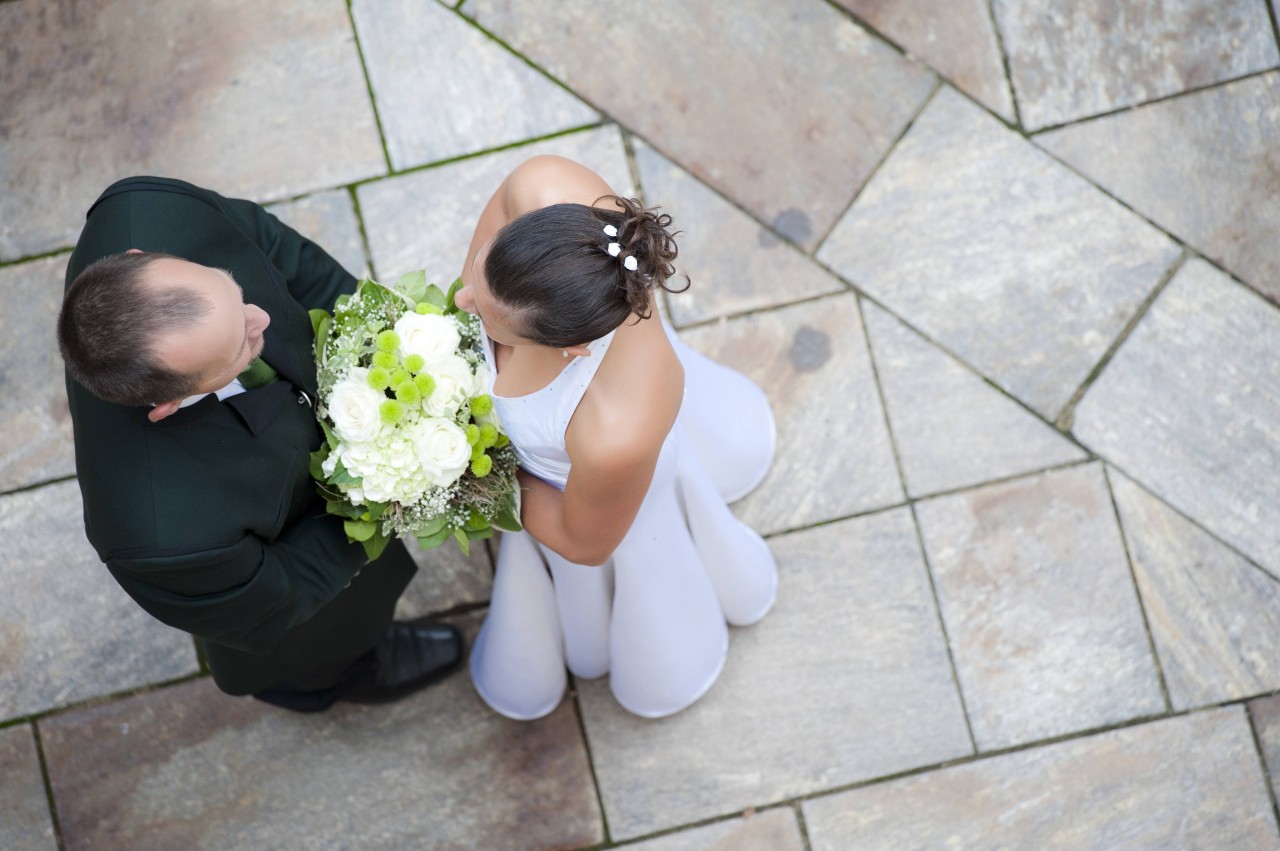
614, 249
629, 263
610, 230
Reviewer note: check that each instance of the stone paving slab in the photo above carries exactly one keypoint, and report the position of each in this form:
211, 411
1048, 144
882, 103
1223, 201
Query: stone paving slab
445, 89
1190, 408
772, 830
68, 632
189, 767
1190, 782
425, 219
955, 37
1044, 623
951, 428
998, 253
254, 100
1214, 617
34, 418
1074, 58
784, 107
833, 456
329, 220
1201, 166
734, 263
1265, 715
26, 823
846, 679
446, 580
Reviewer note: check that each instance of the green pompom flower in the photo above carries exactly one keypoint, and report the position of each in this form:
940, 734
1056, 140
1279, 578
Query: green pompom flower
426, 384
481, 466
391, 411
386, 360
400, 376
388, 341
502, 441
408, 393
379, 378
482, 405
473, 433
488, 435
424, 308
414, 363
476, 451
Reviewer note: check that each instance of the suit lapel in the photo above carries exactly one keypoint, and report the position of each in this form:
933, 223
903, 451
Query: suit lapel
260, 407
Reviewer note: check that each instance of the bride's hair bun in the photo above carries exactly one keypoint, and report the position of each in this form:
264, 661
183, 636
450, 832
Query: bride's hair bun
570, 274
645, 234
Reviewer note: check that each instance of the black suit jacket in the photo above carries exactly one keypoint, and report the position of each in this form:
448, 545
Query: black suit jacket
209, 518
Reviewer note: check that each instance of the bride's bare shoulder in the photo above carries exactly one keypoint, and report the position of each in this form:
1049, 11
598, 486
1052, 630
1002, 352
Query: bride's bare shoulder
548, 179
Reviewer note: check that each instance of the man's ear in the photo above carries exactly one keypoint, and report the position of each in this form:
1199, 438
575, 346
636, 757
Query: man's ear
134, 251
163, 410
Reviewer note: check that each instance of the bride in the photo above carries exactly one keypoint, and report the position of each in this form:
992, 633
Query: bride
630, 445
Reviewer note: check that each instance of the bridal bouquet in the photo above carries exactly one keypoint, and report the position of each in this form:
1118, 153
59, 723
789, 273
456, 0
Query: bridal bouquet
412, 443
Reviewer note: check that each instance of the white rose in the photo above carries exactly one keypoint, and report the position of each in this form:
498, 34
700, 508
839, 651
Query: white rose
430, 336
455, 384
353, 407
443, 450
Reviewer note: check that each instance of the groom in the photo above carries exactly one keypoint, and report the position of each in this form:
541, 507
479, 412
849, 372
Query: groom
191, 384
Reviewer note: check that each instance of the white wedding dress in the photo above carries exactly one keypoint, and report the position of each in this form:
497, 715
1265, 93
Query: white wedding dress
654, 617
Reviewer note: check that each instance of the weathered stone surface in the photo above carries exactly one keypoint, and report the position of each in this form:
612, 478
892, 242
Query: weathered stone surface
67, 631
786, 109
189, 767
1044, 624
251, 99
444, 88
329, 220
772, 830
833, 457
846, 679
1073, 58
34, 418
735, 264
1202, 166
26, 823
1000, 254
956, 38
951, 428
1183, 783
1190, 408
1265, 715
425, 219
446, 579
1214, 617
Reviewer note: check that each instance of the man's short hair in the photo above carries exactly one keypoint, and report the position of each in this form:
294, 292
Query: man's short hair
109, 322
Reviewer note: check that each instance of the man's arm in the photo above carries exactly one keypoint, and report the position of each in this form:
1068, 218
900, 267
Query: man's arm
246, 595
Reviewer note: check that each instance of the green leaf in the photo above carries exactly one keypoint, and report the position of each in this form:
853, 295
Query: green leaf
463, 543
359, 530
476, 522
413, 286
435, 539
342, 477
317, 317
508, 519
342, 508
329, 437
341, 302
375, 545
432, 526
317, 459
433, 295
376, 508
480, 534
449, 303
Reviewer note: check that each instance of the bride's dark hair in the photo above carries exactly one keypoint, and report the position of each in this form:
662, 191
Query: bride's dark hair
552, 268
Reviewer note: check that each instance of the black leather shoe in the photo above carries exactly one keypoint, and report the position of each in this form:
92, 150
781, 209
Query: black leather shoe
409, 656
